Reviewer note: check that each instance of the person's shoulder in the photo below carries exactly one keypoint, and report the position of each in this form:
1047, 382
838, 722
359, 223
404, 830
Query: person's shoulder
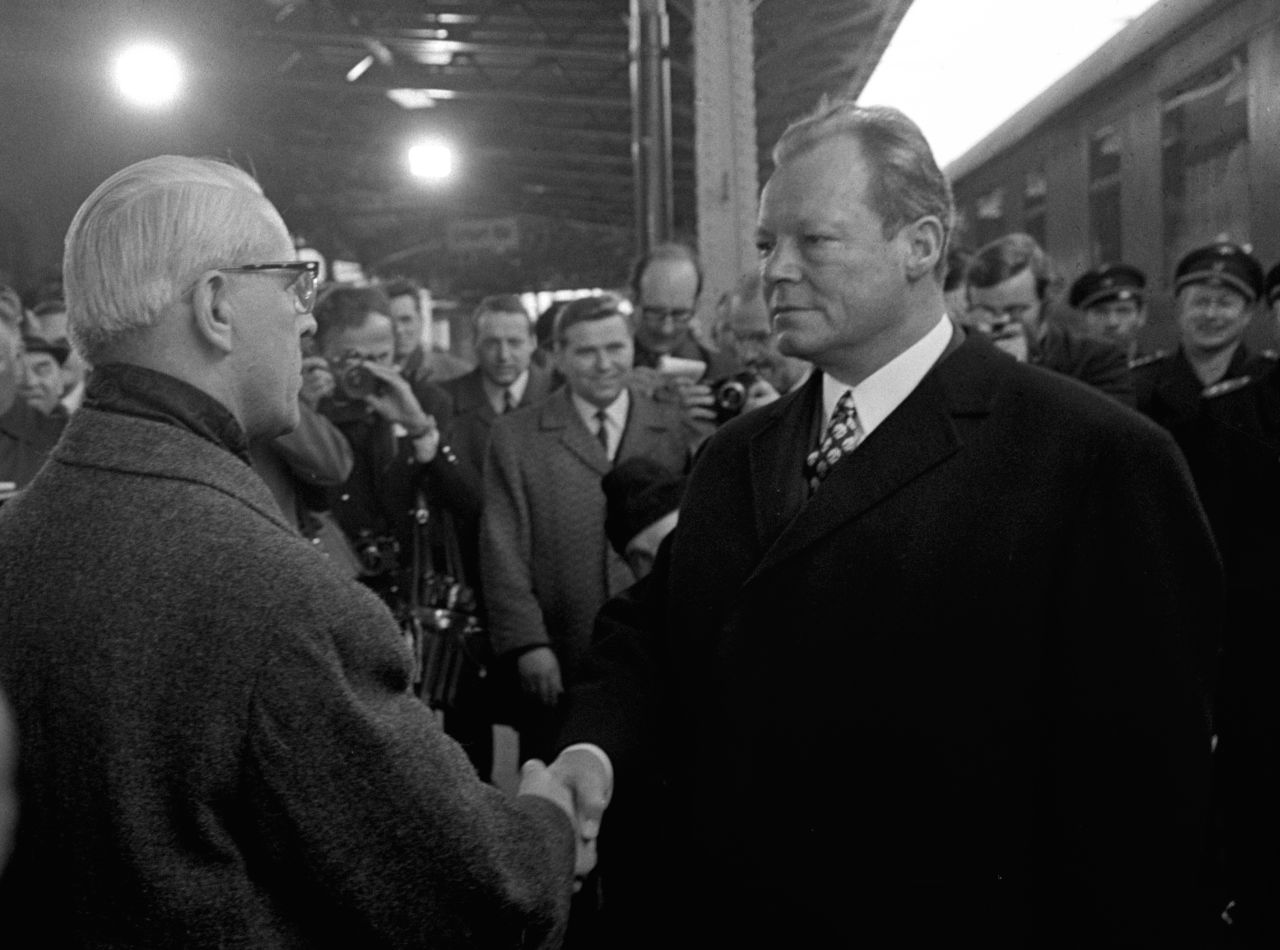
1149, 364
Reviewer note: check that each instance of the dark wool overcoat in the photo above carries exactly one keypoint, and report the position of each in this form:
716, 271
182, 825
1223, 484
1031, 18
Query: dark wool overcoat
219, 747
950, 699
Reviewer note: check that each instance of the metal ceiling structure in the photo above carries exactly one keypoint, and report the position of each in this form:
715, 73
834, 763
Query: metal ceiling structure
321, 97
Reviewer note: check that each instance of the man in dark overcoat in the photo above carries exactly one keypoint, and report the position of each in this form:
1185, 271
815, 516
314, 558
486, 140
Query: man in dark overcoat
218, 742
918, 667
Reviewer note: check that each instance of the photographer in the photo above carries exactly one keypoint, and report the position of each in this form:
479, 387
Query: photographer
746, 331
394, 435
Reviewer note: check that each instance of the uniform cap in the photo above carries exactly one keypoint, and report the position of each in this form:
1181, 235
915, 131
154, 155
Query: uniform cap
1107, 282
1221, 265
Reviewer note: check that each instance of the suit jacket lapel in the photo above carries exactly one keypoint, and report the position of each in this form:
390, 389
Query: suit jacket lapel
559, 416
645, 427
915, 438
776, 456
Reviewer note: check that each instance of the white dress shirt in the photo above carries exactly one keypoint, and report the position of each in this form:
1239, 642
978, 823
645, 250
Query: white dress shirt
884, 390
615, 418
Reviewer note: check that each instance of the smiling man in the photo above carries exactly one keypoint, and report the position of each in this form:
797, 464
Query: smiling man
218, 744
963, 587
1217, 288
545, 560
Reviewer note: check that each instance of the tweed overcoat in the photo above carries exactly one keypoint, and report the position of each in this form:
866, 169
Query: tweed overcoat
950, 699
545, 562
219, 746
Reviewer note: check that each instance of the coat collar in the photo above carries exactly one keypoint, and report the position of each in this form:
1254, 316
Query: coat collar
469, 395
131, 444
645, 424
919, 435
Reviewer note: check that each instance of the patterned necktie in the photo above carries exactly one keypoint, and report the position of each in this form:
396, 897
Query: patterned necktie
602, 429
841, 437
507, 402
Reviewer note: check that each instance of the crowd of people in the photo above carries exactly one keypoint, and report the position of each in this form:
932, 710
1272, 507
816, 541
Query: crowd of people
885, 606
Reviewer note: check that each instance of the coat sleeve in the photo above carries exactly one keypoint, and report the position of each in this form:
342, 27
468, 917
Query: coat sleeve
506, 550
316, 452
356, 787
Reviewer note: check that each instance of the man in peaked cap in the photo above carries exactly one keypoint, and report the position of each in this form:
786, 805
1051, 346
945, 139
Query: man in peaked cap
1216, 288
1113, 300
1234, 453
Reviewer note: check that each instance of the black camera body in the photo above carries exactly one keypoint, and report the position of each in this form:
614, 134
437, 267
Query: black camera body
729, 395
379, 555
355, 380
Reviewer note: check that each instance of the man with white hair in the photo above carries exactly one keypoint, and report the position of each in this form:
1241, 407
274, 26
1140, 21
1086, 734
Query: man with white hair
219, 744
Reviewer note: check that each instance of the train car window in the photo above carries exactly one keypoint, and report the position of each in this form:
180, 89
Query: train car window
1205, 158
1105, 209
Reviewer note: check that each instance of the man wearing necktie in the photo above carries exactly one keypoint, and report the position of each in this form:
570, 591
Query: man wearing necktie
919, 665
545, 561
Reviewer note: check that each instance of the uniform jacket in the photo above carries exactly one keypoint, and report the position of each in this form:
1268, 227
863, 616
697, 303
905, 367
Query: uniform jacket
951, 695
1169, 391
219, 745
545, 564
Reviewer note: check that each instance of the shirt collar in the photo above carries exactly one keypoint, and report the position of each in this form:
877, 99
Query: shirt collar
884, 390
616, 411
493, 392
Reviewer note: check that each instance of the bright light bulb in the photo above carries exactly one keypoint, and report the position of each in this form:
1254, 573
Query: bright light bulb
432, 161
148, 75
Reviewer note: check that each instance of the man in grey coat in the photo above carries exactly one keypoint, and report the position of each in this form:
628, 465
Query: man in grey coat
218, 744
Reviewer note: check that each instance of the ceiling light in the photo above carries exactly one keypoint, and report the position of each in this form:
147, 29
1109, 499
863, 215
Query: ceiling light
148, 75
431, 160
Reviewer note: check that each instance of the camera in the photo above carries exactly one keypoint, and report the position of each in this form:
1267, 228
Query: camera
355, 380
729, 395
379, 555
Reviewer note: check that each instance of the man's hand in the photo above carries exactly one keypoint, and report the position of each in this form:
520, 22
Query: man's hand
397, 404
317, 380
396, 401
696, 399
761, 393
560, 784
540, 675
578, 782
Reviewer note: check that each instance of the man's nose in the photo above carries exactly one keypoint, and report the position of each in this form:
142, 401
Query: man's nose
781, 263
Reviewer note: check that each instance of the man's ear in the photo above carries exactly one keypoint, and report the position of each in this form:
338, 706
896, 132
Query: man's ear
925, 239
211, 310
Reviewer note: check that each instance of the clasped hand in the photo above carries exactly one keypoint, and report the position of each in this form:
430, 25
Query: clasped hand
577, 781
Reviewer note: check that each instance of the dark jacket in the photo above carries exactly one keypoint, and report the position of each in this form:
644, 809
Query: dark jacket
1095, 363
949, 698
1169, 391
219, 746
26, 438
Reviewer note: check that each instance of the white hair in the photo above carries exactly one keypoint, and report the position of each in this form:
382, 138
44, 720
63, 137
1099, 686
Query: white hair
139, 242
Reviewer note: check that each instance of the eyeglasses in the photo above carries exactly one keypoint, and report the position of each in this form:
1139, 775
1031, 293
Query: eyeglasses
303, 285
658, 315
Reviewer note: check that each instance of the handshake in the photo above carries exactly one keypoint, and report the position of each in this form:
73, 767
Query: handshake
581, 782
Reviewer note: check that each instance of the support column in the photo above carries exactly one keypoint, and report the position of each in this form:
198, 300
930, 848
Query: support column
651, 121
725, 140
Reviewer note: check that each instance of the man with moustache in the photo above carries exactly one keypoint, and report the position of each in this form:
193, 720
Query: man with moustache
916, 666
217, 741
